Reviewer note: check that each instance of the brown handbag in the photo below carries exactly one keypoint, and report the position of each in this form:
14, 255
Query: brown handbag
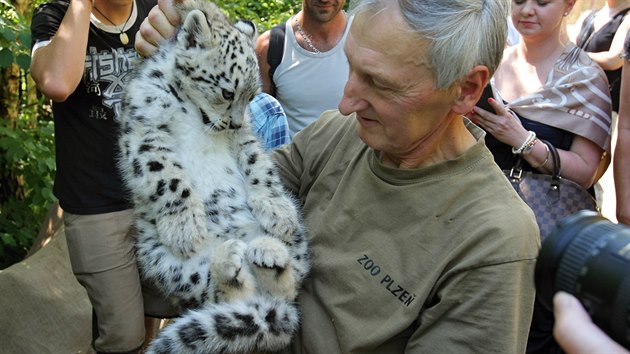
551, 197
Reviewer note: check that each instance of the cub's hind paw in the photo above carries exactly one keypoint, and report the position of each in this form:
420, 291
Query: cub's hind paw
273, 272
268, 252
231, 273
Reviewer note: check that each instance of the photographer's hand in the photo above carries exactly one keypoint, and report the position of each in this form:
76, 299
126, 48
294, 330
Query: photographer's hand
574, 330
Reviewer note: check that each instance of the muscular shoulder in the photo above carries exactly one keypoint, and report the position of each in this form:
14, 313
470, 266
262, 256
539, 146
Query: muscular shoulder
262, 45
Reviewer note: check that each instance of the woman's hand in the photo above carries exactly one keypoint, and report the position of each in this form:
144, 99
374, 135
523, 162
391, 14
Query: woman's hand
503, 125
579, 163
159, 26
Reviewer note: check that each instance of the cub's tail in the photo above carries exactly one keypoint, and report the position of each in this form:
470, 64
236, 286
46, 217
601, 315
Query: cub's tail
257, 324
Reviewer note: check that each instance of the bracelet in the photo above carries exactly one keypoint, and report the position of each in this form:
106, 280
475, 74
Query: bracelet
546, 157
527, 145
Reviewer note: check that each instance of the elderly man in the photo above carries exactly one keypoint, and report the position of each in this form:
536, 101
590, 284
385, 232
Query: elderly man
420, 244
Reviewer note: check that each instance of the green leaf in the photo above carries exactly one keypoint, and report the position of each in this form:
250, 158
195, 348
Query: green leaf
8, 34
24, 61
6, 58
8, 240
25, 37
50, 162
6, 3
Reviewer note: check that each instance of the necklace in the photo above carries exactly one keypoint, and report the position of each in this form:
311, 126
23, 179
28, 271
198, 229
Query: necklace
124, 39
306, 37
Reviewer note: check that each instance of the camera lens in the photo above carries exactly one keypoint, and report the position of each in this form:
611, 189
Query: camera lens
589, 256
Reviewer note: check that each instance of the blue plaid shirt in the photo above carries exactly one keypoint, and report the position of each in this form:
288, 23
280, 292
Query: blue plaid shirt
269, 121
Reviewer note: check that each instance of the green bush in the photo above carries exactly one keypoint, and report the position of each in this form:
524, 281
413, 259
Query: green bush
26, 145
27, 167
15, 37
264, 13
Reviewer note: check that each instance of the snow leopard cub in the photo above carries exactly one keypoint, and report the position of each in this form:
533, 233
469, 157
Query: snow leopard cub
216, 230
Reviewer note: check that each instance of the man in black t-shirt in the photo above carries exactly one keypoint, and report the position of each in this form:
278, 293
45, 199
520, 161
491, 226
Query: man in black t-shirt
83, 52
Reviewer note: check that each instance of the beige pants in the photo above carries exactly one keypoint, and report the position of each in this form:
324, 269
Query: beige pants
103, 261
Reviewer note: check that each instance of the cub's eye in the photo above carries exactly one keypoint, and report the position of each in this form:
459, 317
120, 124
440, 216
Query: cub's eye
228, 95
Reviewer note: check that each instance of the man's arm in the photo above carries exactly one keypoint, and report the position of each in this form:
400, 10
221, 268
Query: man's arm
482, 310
57, 68
262, 47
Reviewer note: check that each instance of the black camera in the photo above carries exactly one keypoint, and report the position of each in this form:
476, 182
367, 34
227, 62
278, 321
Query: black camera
588, 256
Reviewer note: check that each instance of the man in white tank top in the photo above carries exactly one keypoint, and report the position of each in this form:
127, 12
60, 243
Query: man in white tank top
314, 69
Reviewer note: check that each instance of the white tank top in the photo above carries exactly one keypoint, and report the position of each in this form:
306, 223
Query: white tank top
308, 83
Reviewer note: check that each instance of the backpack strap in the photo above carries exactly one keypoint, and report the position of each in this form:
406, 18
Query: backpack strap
275, 50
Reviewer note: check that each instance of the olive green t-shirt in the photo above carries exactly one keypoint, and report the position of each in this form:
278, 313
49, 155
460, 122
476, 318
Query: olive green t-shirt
432, 260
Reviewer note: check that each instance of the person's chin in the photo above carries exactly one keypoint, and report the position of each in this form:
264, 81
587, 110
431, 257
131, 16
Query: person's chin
368, 131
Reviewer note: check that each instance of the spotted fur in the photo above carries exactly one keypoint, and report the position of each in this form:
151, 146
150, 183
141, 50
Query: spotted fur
216, 231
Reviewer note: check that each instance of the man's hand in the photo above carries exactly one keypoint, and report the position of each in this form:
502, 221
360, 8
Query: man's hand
159, 26
574, 330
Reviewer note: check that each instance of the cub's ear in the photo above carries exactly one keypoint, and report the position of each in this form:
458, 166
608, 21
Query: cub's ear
248, 28
195, 31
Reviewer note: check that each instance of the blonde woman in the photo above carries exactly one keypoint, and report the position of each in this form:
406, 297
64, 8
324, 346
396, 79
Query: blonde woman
548, 86
548, 89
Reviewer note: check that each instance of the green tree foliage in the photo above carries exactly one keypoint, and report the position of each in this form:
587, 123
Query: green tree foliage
27, 168
26, 140
264, 14
15, 37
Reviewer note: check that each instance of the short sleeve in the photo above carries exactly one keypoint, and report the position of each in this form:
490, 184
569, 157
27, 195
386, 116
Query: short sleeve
46, 20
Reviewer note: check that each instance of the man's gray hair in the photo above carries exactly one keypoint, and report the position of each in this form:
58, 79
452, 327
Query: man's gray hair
461, 33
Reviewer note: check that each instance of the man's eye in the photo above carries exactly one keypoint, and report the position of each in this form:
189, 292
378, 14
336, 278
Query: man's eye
378, 85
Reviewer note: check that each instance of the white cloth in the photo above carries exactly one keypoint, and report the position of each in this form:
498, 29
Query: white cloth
307, 83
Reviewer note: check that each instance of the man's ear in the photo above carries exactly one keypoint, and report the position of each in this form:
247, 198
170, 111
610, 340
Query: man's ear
470, 89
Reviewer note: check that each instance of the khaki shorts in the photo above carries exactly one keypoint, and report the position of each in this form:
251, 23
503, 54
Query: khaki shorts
102, 256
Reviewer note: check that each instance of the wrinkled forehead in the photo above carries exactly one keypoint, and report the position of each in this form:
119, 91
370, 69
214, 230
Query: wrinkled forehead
384, 41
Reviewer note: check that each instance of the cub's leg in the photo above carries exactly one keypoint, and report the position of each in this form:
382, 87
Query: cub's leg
270, 259
161, 187
272, 206
231, 275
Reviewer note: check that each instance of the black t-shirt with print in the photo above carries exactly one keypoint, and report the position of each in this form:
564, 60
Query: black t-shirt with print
86, 124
